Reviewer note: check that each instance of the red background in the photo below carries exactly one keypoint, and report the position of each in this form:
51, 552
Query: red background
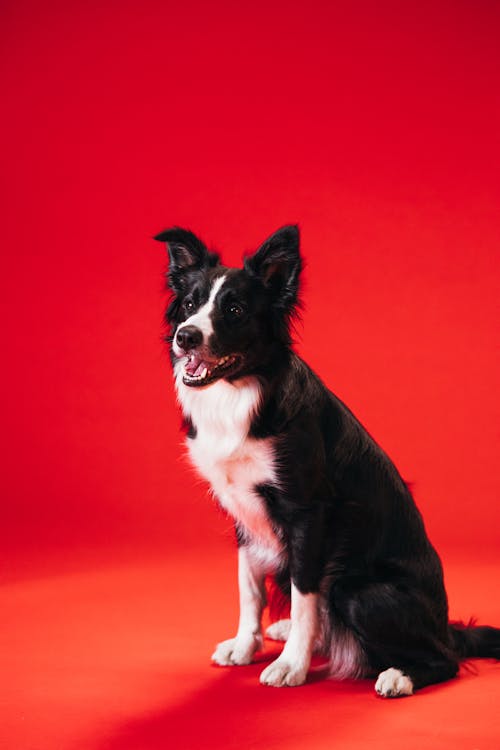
374, 125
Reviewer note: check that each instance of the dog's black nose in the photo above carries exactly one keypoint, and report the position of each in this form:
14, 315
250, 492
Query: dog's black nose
189, 337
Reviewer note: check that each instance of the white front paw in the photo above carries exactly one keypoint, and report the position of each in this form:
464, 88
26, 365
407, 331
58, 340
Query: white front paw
239, 650
282, 673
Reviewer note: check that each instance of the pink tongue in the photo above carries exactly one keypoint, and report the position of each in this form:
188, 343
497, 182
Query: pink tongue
195, 366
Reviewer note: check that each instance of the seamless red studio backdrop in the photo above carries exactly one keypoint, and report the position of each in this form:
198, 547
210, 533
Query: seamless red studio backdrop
375, 126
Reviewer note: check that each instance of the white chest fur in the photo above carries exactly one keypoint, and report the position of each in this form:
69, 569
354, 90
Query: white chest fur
228, 458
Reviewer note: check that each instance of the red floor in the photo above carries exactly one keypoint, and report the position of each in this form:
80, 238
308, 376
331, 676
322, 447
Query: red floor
117, 658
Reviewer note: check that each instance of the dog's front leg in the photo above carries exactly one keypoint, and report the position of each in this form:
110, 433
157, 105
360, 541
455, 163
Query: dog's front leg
291, 667
248, 640
305, 558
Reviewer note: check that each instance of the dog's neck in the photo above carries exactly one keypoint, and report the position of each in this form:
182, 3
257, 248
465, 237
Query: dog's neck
222, 411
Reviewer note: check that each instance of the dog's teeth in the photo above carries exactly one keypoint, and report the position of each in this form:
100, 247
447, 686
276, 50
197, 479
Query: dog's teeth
204, 373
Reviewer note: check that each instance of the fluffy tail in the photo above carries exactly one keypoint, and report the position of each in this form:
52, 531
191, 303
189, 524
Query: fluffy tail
470, 641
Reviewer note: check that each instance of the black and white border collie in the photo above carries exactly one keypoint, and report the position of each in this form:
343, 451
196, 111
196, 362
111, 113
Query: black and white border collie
317, 504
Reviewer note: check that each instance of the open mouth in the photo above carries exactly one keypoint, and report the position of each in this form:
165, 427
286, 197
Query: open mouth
199, 371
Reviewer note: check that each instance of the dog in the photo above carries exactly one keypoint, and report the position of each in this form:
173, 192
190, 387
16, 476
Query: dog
318, 507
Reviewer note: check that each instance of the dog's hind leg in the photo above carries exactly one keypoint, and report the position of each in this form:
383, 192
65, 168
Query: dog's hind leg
402, 631
395, 683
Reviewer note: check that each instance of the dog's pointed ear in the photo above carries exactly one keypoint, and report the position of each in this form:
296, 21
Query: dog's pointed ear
186, 252
277, 264
185, 249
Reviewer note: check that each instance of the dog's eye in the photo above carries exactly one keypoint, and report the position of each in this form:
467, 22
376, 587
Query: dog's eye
234, 311
189, 306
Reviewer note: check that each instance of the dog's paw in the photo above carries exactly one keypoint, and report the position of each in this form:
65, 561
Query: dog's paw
393, 684
236, 651
281, 673
279, 631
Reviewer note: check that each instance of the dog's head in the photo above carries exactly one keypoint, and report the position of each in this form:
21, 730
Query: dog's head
229, 322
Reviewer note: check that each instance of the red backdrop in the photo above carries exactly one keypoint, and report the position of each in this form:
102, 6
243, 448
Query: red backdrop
373, 125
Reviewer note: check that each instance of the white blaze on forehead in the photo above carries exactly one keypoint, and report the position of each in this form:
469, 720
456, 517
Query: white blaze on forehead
202, 317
